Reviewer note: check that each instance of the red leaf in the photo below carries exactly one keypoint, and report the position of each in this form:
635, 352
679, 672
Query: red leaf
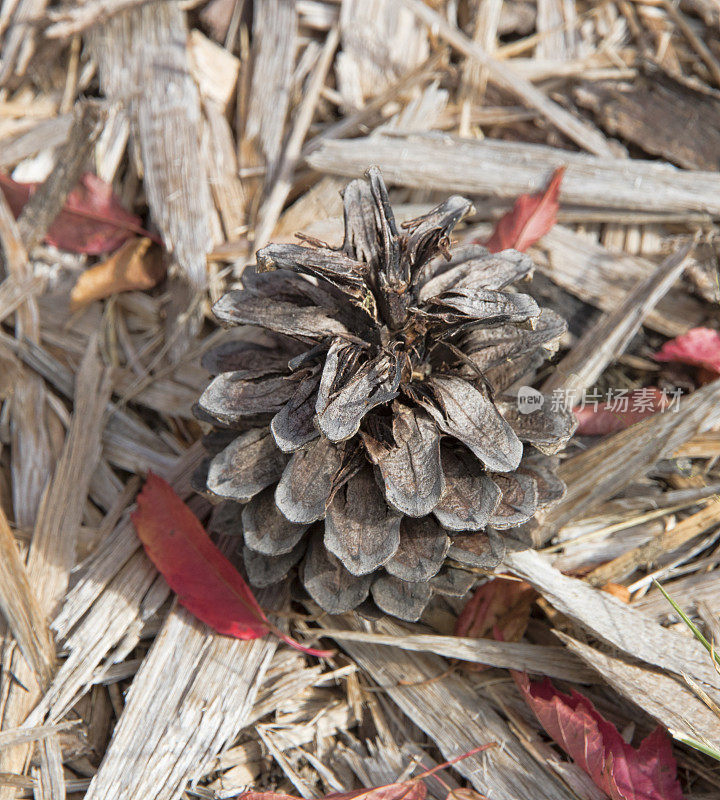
92, 220
499, 608
205, 582
617, 414
532, 216
594, 744
699, 347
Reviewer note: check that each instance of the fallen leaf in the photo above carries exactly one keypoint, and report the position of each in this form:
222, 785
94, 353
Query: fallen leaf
499, 609
135, 266
623, 772
699, 347
205, 582
92, 220
532, 216
620, 413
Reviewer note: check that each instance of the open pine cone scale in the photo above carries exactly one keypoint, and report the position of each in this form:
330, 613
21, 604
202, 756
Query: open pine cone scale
366, 436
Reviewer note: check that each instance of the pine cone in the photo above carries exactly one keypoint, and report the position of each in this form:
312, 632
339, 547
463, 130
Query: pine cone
366, 437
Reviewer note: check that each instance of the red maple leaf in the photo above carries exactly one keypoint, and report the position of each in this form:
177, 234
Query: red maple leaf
92, 220
532, 216
205, 582
622, 771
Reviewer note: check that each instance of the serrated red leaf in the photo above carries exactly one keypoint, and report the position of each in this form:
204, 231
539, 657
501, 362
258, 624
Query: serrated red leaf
622, 771
92, 220
699, 347
205, 582
611, 417
499, 608
532, 216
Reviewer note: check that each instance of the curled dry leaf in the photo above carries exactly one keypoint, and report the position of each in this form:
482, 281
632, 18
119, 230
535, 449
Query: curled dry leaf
92, 220
205, 582
622, 771
532, 216
699, 347
136, 266
620, 413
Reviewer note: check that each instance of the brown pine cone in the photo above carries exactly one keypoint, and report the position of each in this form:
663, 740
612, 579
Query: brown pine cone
367, 438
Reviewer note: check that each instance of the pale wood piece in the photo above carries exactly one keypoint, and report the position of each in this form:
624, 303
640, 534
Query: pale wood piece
143, 63
613, 621
547, 660
273, 60
381, 41
501, 73
607, 339
52, 552
508, 169
172, 730
604, 470
456, 718
666, 699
